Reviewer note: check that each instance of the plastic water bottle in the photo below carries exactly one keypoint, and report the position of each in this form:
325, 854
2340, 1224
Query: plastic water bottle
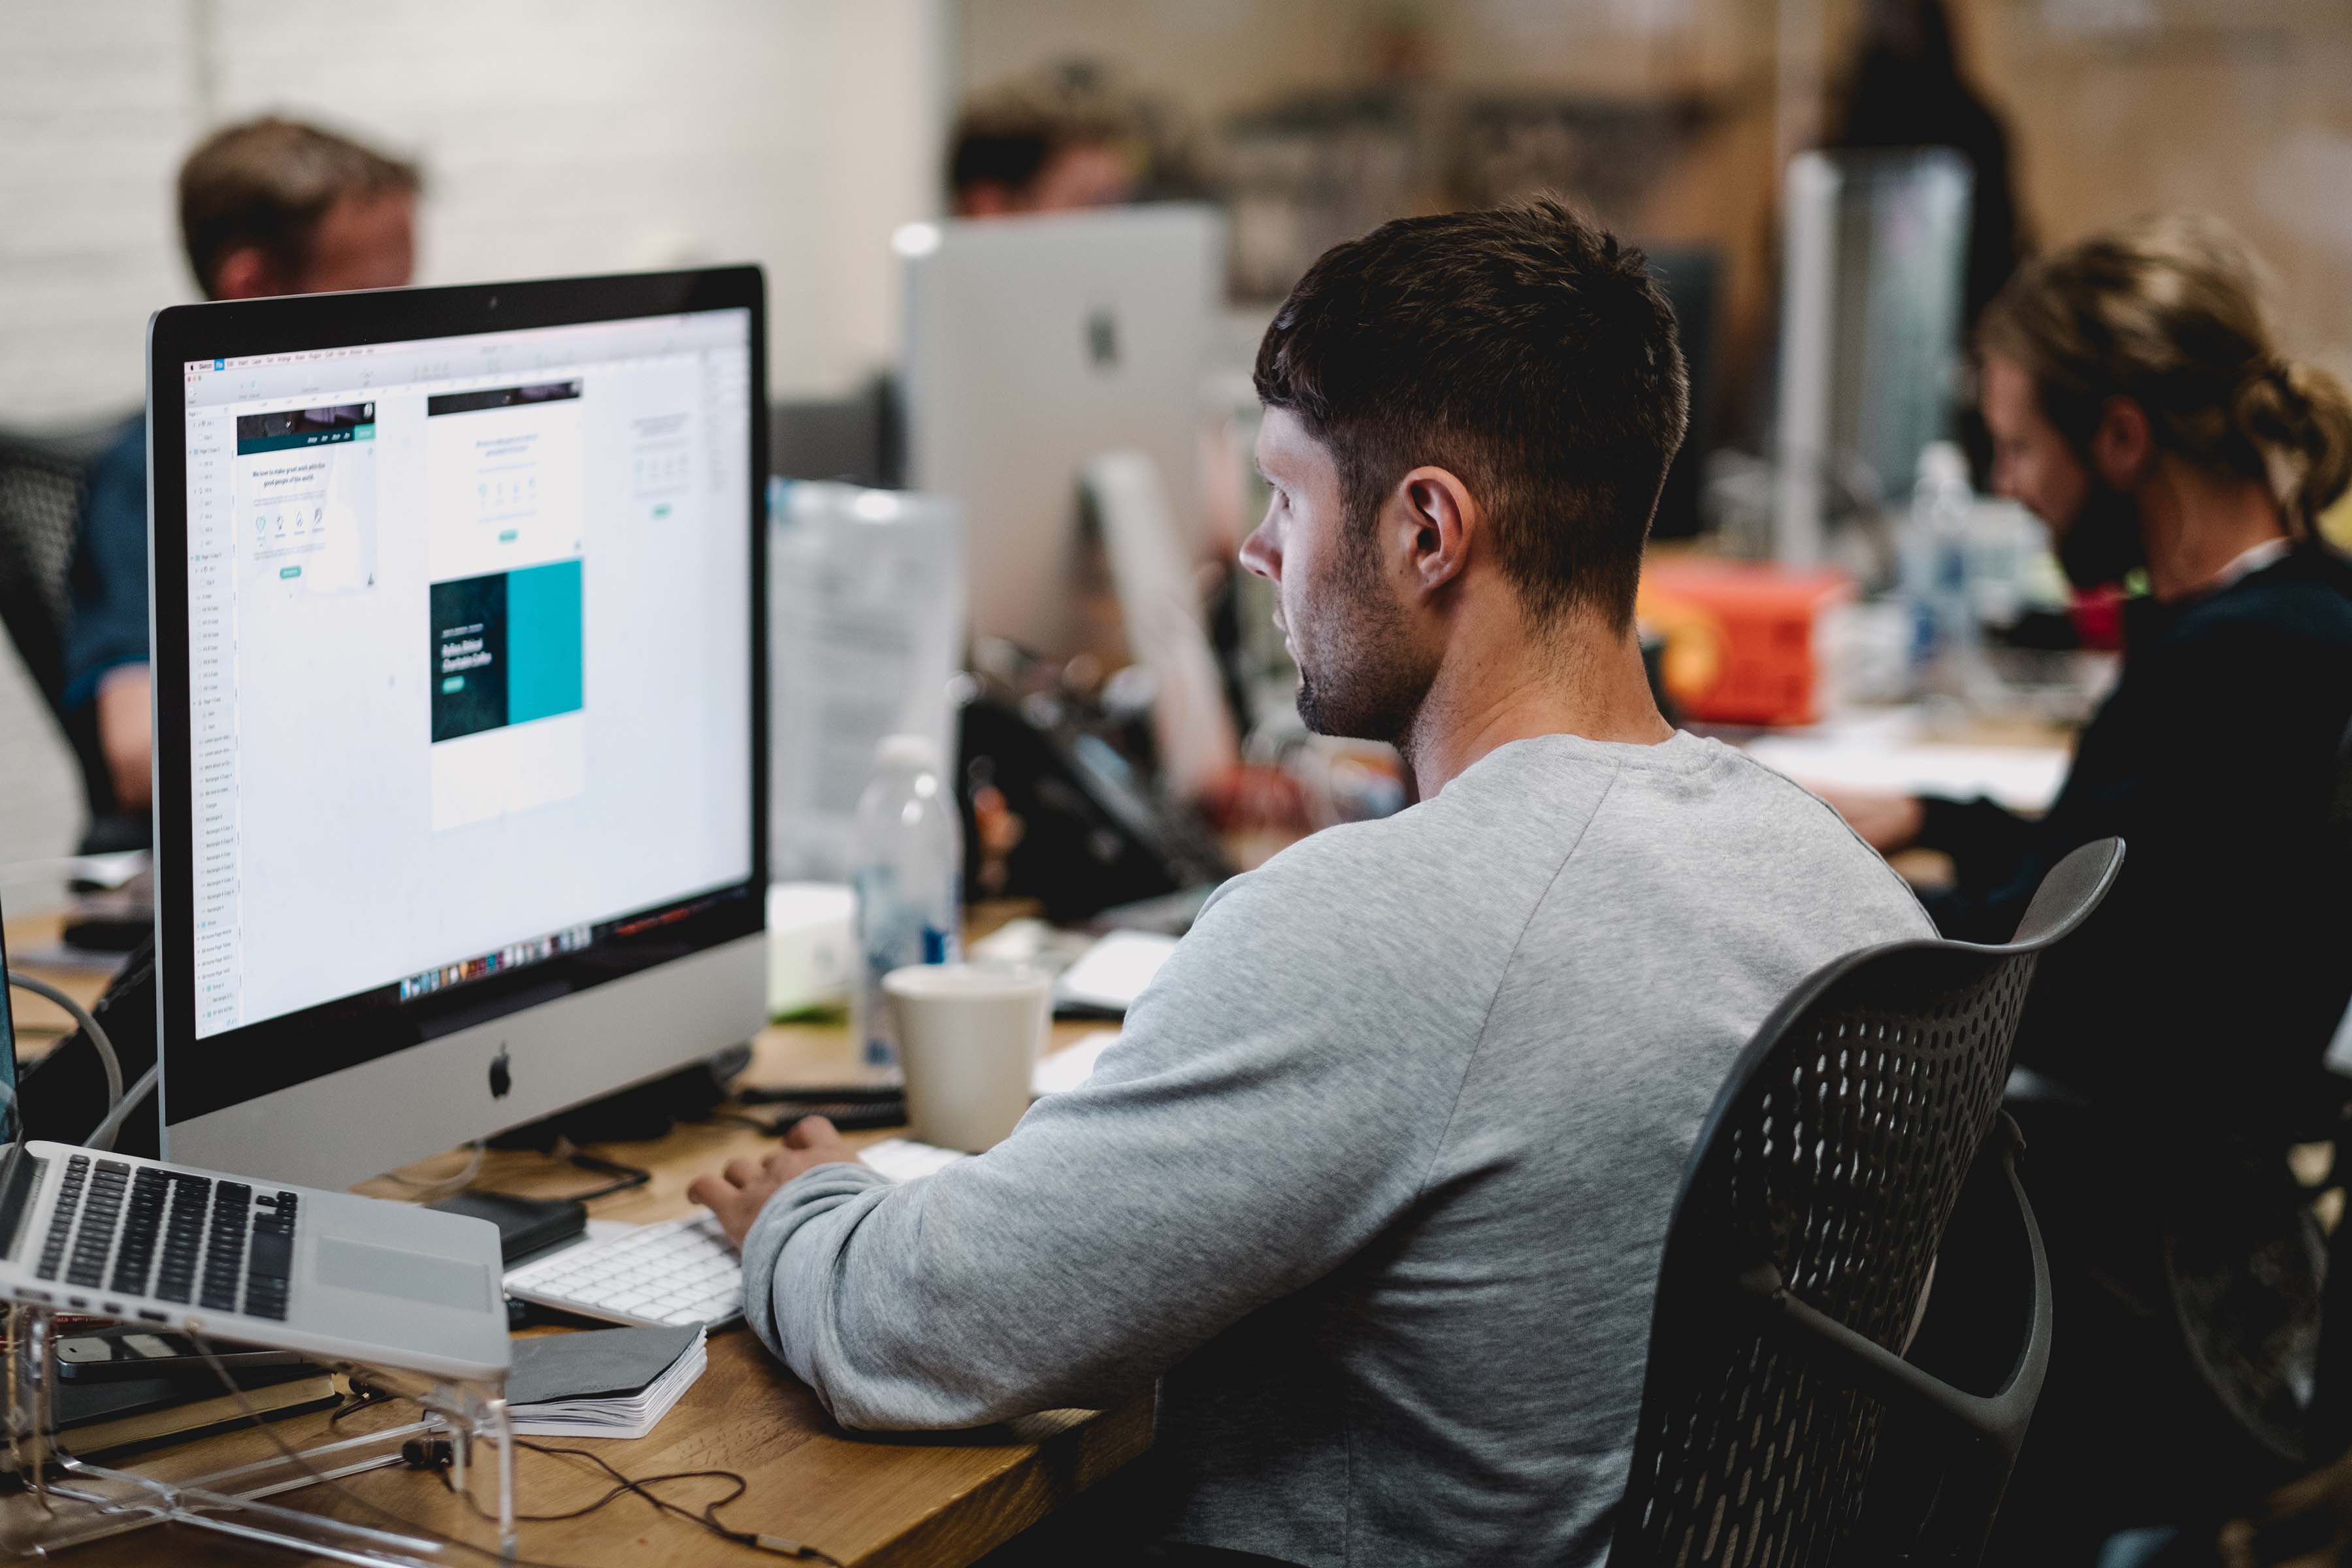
1935, 572
909, 859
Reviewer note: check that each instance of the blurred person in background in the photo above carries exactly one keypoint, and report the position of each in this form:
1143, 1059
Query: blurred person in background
269, 206
2141, 408
1904, 88
1059, 141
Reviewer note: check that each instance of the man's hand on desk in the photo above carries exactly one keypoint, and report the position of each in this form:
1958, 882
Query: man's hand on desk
738, 1193
1888, 823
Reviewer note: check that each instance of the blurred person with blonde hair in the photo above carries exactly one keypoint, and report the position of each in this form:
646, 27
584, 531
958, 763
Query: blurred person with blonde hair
2142, 406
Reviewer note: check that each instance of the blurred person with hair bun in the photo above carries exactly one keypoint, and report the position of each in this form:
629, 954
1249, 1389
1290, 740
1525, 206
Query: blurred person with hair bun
2142, 406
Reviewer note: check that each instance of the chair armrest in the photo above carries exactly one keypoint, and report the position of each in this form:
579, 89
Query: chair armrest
1998, 1418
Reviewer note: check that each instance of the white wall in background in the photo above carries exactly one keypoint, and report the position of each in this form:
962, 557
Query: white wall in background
558, 136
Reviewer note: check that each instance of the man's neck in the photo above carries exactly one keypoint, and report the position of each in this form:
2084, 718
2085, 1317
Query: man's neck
1587, 681
2195, 524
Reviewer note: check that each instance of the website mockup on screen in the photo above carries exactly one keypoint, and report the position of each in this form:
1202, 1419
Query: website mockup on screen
469, 652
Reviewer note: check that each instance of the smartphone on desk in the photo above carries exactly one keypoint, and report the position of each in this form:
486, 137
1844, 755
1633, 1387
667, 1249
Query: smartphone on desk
113, 1355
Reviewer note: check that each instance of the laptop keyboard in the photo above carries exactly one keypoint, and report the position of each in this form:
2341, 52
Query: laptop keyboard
172, 1234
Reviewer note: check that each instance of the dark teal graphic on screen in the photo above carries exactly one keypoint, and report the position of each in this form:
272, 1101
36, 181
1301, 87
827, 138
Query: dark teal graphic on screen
506, 648
469, 656
542, 641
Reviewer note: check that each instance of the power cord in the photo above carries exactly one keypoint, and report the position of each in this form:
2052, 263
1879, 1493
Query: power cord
625, 1178
104, 1136
116, 1108
437, 1455
445, 1185
707, 1516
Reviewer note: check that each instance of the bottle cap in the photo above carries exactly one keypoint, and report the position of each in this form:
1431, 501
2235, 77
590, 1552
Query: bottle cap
913, 752
1943, 463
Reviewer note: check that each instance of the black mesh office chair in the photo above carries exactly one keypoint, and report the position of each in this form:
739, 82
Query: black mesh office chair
1811, 1215
42, 487
2328, 1431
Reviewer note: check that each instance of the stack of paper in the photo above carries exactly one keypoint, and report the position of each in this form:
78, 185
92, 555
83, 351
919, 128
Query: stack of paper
613, 1383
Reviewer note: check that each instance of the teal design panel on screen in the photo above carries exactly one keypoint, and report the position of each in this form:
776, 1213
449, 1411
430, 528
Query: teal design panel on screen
543, 644
506, 648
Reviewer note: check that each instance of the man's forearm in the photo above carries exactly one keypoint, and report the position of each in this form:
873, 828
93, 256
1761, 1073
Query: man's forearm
805, 1307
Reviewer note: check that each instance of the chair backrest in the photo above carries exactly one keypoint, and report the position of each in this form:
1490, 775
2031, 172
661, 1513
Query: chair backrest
1828, 1169
42, 489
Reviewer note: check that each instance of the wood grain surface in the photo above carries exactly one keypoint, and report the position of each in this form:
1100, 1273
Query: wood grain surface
870, 1502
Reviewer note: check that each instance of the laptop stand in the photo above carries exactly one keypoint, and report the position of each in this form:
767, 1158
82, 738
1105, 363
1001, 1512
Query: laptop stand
65, 1502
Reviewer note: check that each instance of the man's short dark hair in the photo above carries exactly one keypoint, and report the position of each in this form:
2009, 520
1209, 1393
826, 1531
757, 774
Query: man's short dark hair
1524, 348
1006, 137
1001, 150
267, 182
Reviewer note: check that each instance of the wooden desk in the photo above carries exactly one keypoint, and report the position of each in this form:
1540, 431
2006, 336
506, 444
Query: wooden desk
941, 1498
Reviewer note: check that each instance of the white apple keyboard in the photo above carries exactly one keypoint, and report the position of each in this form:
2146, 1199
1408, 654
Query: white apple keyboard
680, 1271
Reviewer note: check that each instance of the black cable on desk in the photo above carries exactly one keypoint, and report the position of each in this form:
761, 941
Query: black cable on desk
780, 1546
625, 1178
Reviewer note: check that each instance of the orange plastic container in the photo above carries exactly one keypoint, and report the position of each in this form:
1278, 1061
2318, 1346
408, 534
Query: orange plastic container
1743, 639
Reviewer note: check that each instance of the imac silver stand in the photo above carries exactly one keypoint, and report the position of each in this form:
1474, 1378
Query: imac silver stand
66, 1501
1153, 576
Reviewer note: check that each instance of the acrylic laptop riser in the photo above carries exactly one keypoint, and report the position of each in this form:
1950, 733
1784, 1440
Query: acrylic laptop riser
65, 1502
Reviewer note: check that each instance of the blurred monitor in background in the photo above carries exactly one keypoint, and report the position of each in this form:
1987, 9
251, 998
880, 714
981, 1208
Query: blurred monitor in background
269, 206
1904, 89
1870, 332
1035, 346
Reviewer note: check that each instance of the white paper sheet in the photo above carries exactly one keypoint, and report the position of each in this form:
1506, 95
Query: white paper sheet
2022, 778
1072, 1065
1114, 972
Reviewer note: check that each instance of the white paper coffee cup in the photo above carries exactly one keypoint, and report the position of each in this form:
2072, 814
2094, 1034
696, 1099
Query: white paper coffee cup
969, 1039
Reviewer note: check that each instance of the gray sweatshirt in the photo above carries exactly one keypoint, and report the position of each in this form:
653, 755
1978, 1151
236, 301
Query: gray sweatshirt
1376, 1178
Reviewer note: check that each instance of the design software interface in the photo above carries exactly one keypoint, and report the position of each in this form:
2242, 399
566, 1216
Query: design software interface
457, 698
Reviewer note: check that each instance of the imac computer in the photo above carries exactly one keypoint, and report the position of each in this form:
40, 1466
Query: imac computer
459, 675
1875, 256
1036, 345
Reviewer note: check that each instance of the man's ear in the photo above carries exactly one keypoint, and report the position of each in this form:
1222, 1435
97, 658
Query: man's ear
1438, 524
245, 272
2122, 443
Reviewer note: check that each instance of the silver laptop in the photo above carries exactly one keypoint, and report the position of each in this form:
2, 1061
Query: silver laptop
329, 1274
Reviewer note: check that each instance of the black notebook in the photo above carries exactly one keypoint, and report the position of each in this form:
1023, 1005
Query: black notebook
102, 1418
609, 1383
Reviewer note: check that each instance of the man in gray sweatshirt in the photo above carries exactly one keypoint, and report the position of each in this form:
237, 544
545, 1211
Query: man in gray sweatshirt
1376, 1178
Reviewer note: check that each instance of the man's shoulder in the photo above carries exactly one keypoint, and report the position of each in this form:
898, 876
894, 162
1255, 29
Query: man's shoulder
1752, 840
117, 478
1502, 818
1453, 875
1356, 870
124, 449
